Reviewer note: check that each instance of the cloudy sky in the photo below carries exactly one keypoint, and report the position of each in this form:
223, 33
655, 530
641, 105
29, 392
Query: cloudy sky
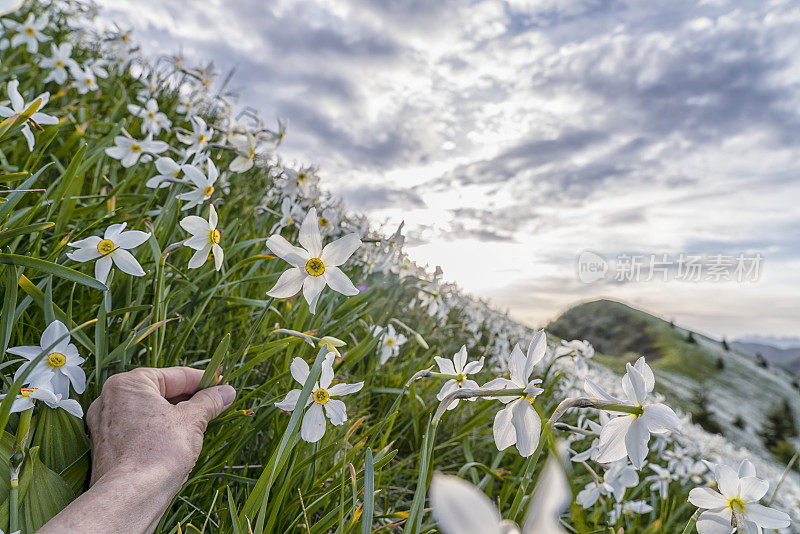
513, 135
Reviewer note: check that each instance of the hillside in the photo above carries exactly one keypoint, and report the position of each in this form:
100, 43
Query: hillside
734, 385
785, 358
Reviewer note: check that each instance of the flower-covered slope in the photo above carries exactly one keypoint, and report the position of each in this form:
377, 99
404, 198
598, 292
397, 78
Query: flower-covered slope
148, 221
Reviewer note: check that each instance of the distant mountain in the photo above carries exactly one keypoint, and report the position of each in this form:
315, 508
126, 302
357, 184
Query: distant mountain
773, 341
788, 359
725, 389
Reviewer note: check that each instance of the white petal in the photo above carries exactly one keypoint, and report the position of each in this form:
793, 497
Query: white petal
636, 442
131, 239
326, 377
338, 281
336, 411
26, 351
536, 350
310, 237
199, 258
126, 263
715, 522
195, 225
71, 406
528, 427
447, 388
219, 256
728, 481
460, 359
751, 489
299, 369
660, 418
339, 390
76, 376
474, 367
55, 333
289, 284
504, 433
766, 517
287, 252
611, 445
290, 401
338, 252
461, 508
312, 287
313, 427
445, 365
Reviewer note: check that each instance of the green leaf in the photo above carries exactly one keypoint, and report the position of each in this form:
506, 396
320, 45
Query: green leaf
210, 374
369, 494
52, 268
60, 435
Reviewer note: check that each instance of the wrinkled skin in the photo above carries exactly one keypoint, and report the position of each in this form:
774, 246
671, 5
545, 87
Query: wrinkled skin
147, 431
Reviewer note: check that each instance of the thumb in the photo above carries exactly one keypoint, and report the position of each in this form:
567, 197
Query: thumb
210, 402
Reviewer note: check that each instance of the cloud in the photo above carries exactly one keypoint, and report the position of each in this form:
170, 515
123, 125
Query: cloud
549, 126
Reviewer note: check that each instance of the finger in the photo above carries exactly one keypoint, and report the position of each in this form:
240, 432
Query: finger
210, 402
173, 382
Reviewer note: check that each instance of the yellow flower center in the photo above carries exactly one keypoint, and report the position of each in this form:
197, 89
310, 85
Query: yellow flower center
105, 246
88, 81
301, 177
321, 396
315, 266
56, 360
30, 31
136, 148
26, 392
202, 139
151, 115
215, 236
323, 221
736, 504
460, 377
59, 64
209, 190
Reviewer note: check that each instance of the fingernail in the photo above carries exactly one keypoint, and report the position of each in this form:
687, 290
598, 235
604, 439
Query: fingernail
228, 394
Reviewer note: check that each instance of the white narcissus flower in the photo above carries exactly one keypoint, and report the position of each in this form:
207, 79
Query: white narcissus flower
199, 138
153, 121
391, 341
578, 352
321, 404
738, 492
628, 508
314, 267
459, 367
461, 508
203, 184
18, 105
27, 396
85, 79
168, 170
29, 32
518, 423
629, 435
129, 150
59, 61
247, 148
206, 238
112, 248
59, 368
660, 480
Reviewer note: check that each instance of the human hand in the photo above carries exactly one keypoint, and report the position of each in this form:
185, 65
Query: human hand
153, 420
